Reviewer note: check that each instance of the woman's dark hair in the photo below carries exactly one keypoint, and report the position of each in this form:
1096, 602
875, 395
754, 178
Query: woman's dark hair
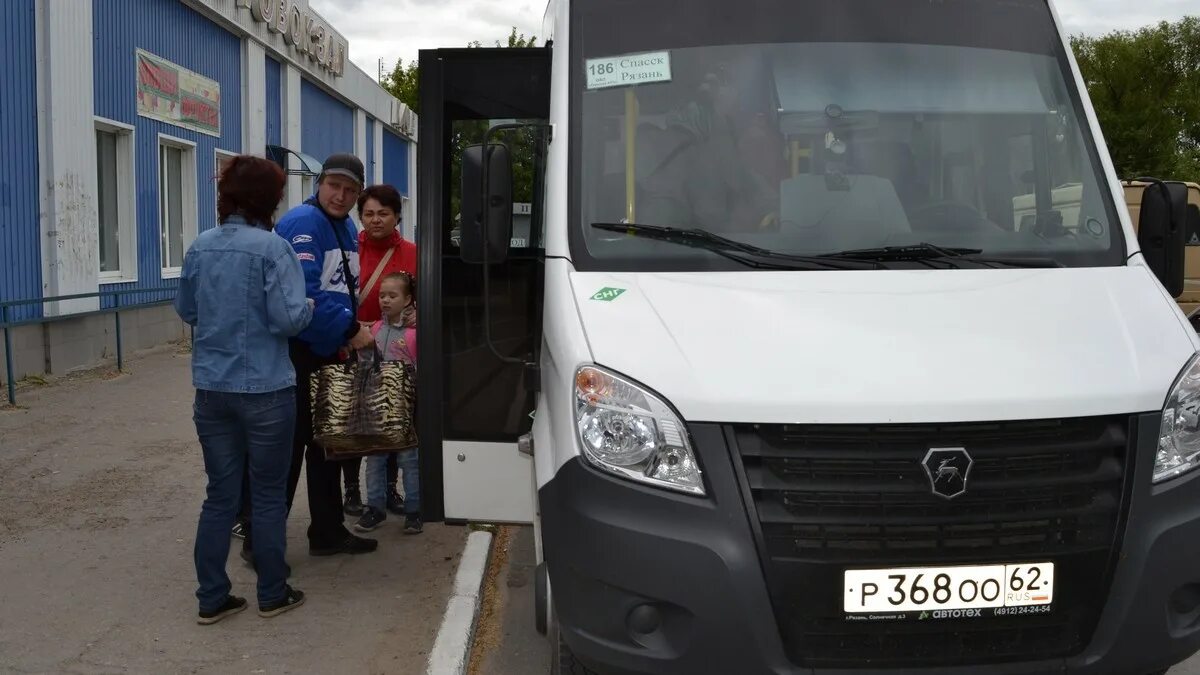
250, 187
386, 195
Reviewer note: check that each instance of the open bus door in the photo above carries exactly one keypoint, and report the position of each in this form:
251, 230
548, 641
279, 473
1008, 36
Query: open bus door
475, 389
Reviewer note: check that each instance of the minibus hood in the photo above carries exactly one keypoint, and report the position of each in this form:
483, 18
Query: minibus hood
889, 346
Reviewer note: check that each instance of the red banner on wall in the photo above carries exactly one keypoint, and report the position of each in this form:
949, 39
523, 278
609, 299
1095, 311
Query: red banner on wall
176, 95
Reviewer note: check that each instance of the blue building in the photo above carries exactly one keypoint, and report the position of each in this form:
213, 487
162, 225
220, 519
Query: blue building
116, 116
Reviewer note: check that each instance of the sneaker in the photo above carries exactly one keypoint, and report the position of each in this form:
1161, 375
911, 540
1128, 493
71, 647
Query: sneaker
353, 505
371, 519
412, 524
351, 545
233, 605
395, 501
239, 530
292, 599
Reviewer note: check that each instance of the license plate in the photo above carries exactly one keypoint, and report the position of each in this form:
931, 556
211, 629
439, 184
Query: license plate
949, 588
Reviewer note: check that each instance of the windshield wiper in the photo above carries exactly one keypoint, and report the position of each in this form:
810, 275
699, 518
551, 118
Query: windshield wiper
746, 254
929, 253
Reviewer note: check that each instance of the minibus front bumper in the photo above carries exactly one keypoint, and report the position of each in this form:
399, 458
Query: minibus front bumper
647, 581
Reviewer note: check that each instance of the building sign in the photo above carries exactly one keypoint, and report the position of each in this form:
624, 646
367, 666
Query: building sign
304, 32
176, 95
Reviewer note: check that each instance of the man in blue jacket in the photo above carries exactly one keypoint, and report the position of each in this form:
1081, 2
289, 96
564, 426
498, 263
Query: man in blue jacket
326, 242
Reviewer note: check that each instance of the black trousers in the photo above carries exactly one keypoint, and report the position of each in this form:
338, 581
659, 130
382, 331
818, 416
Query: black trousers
352, 472
327, 526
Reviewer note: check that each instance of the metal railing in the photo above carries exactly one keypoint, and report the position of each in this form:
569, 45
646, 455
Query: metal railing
6, 310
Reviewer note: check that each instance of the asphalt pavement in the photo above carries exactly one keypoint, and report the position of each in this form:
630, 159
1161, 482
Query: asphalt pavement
514, 647
101, 481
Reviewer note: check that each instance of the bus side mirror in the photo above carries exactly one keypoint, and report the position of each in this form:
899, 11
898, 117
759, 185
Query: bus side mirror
1161, 232
495, 205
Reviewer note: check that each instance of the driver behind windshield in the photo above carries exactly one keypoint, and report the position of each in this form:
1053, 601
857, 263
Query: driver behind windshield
718, 163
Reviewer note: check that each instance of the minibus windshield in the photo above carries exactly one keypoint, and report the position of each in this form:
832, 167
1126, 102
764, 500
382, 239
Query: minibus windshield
811, 127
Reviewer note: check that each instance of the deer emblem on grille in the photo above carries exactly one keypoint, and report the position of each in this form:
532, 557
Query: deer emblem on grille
948, 470
945, 470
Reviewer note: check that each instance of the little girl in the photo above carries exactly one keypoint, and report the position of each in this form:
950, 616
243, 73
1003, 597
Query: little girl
396, 336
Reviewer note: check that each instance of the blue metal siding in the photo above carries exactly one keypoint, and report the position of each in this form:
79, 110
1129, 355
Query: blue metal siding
370, 161
170, 30
395, 161
327, 124
274, 102
20, 253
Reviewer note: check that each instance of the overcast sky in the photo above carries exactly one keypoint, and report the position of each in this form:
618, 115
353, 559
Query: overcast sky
398, 28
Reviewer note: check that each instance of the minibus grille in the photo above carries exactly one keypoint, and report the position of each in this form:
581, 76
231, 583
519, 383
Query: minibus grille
829, 498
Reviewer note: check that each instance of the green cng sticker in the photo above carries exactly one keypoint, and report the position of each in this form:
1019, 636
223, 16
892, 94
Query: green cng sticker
608, 294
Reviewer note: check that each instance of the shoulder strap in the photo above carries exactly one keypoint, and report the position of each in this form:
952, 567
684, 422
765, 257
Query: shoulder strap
366, 288
351, 282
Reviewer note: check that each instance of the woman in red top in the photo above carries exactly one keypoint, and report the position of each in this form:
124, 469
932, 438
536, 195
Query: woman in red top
381, 251
379, 210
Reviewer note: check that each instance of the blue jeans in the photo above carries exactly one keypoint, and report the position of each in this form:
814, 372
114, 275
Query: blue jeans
232, 428
410, 477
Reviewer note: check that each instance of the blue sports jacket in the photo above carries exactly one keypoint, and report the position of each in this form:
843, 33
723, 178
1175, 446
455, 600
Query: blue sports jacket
315, 238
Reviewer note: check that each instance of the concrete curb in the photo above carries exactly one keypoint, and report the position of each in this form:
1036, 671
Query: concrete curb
452, 647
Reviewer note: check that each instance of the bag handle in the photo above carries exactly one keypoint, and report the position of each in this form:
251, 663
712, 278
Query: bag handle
377, 364
366, 289
376, 359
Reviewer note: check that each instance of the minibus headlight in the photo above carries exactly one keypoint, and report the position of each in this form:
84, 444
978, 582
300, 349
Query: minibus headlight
631, 432
1179, 433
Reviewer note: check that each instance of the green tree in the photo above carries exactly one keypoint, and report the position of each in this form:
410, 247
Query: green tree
1145, 86
521, 143
513, 40
404, 79
402, 83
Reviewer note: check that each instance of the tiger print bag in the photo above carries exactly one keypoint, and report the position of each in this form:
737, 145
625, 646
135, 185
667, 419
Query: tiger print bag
364, 406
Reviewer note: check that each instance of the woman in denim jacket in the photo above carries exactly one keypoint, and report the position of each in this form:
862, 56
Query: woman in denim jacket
242, 290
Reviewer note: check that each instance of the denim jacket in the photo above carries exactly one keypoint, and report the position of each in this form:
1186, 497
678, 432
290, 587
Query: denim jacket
242, 290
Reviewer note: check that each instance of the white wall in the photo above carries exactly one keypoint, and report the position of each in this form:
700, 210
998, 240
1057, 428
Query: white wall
254, 98
360, 135
377, 141
360, 151
410, 206
290, 121
67, 154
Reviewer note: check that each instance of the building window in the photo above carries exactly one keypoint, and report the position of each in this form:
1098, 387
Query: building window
176, 201
106, 199
117, 222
